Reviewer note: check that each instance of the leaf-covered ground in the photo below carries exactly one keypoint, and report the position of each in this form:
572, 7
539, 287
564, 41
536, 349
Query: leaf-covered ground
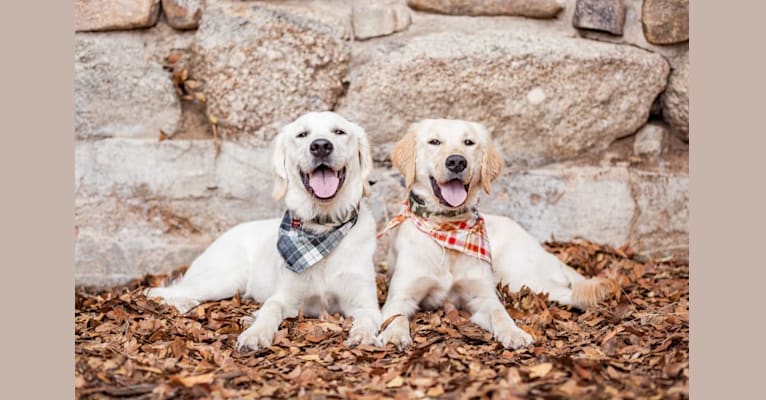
634, 346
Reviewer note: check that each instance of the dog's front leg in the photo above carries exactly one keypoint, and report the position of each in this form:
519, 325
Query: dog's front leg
361, 304
267, 319
404, 296
488, 312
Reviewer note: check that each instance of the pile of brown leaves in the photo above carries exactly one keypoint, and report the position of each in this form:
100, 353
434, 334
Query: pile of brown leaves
636, 345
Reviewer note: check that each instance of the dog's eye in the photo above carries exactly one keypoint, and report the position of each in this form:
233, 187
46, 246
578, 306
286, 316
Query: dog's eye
434, 142
303, 134
339, 132
469, 142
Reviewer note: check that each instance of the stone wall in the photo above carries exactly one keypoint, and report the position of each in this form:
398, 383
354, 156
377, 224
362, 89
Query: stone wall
176, 102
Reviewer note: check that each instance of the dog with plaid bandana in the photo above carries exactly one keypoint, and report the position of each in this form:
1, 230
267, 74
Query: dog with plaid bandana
309, 258
443, 250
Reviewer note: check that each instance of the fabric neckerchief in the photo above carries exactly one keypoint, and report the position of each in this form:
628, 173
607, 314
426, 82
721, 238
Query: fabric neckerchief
301, 248
467, 236
418, 207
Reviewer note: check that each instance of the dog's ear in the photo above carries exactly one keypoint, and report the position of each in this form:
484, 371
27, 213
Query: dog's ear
404, 153
365, 159
491, 163
279, 169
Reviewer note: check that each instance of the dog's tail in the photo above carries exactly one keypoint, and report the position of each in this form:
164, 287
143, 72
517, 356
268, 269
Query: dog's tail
587, 293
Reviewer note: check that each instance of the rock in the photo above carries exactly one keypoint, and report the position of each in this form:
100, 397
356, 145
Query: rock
146, 169
122, 237
568, 201
183, 14
105, 260
523, 8
105, 15
121, 89
544, 98
665, 21
128, 237
144, 206
632, 29
645, 208
600, 15
675, 99
264, 65
379, 18
172, 169
387, 194
661, 227
648, 140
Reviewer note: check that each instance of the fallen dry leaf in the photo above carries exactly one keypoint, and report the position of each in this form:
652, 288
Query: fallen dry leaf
539, 370
190, 381
388, 321
634, 346
435, 391
396, 382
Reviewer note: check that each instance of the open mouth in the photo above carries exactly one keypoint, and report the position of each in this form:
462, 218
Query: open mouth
451, 193
324, 182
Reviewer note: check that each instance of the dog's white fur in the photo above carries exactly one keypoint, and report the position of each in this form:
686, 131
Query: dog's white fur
245, 258
424, 273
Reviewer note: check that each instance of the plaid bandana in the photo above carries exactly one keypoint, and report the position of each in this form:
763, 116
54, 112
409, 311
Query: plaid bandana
468, 236
301, 248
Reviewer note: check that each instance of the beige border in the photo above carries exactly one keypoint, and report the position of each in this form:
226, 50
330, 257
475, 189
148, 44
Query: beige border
727, 140
38, 198
37, 170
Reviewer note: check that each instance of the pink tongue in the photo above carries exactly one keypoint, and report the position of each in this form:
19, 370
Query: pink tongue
324, 182
453, 192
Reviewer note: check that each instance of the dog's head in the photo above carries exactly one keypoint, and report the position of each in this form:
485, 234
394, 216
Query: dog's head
321, 164
447, 161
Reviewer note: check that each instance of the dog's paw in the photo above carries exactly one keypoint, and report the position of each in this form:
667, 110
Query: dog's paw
513, 337
255, 338
247, 320
397, 335
182, 304
359, 335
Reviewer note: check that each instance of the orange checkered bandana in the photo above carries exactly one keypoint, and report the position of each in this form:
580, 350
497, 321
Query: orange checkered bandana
468, 236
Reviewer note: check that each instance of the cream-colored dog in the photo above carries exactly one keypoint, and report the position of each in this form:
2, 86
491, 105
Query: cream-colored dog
446, 163
321, 163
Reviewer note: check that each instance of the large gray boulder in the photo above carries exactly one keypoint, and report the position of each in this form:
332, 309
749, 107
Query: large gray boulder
172, 169
144, 206
661, 225
545, 98
675, 100
264, 65
120, 87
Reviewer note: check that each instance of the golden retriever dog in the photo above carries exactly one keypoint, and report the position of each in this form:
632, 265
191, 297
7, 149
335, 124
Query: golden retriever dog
444, 250
311, 257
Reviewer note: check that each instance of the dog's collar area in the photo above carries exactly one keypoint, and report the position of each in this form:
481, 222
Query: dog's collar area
418, 207
468, 236
349, 215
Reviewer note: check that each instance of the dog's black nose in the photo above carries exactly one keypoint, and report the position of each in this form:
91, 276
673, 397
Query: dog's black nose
321, 148
456, 163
